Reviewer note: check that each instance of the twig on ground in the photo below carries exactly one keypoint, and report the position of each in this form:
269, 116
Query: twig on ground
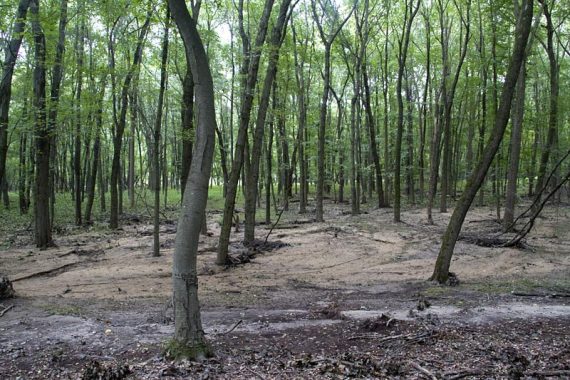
7, 309
461, 375
548, 295
234, 327
274, 224
423, 370
255, 373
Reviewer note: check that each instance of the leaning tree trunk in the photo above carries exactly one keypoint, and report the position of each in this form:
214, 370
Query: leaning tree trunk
253, 173
441, 271
188, 331
10, 56
249, 69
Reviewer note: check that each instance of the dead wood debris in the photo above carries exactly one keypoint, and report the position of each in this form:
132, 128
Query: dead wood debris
6, 288
94, 370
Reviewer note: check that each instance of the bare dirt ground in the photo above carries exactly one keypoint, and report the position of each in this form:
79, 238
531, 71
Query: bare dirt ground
340, 299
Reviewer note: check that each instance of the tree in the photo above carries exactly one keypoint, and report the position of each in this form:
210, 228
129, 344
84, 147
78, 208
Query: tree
441, 271
249, 70
157, 127
43, 236
188, 333
327, 40
120, 124
253, 173
411, 10
10, 56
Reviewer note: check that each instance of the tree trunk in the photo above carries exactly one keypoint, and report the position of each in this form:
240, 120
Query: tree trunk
515, 149
157, 127
188, 332
553, 112
78, 124
403, 42
253, 177
120, 127
43, 237
10, 56
441, 271
250, 69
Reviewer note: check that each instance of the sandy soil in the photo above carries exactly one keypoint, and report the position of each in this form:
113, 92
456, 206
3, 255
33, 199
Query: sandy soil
304, 307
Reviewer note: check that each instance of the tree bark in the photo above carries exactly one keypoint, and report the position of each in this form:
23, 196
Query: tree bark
43, 237
10, 56
251, 67
188, 326
253, 177
441, 271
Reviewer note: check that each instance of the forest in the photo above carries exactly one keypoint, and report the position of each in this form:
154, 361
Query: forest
285, 189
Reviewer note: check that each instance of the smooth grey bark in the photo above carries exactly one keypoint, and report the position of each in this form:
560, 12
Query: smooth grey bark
522, 31
188, 330
249, 69
10, 56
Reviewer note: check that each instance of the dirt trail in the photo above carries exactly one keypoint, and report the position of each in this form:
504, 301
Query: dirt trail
104, 298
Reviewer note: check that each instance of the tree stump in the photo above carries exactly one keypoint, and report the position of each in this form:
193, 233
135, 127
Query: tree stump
6, 288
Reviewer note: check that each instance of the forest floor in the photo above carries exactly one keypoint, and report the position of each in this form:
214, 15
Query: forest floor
344, 298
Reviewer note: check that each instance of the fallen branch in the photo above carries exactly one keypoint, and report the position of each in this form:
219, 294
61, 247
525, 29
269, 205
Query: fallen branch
274, 224
255, 373
555, 372
234, 327
461, 375
551, 295
7, 309
49, 272
425, 371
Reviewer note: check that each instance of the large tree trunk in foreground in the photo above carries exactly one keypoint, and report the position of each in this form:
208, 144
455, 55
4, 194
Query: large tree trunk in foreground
11, 53
188, 331
441, 271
